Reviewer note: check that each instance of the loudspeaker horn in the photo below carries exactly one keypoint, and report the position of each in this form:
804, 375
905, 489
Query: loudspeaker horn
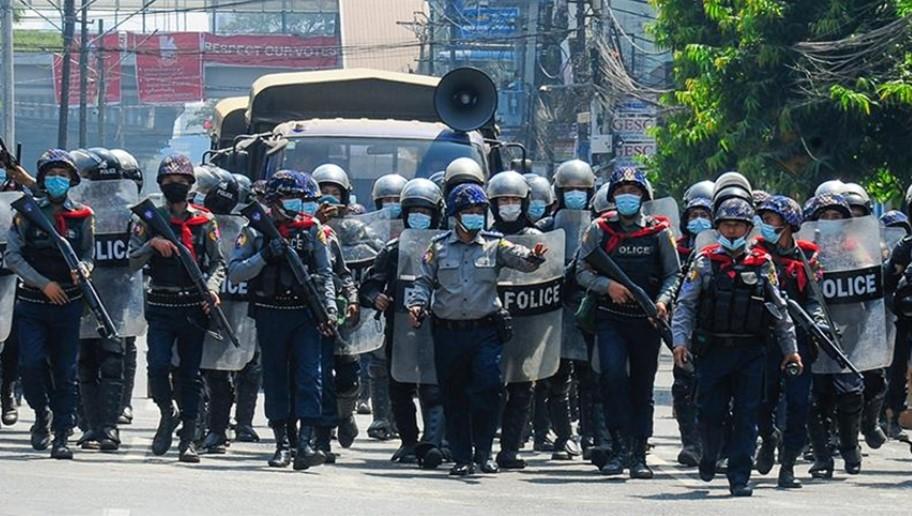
465, 99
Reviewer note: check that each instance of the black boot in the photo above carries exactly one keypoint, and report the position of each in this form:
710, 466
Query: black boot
41, 430
306, 456
164, 434
216, 443
187, 445
638, 467
110, 410
348, 428
870, 423
617, 459
282, 456
819, 432
60, 449
429, 450
848, 421
787, 478
766, 455
88, 414
247, 392
406, 454
894, 429
9, 412
323, 443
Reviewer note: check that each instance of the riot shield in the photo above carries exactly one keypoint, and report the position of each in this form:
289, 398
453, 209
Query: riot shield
852, 285
413, 351
220, 354
574, 223
120, 289
7, 278
534, 301
668, 208
891, 237
361, 238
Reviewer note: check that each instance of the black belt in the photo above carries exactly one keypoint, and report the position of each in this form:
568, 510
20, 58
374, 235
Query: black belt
464, 324
280, 302
172, 298
34, 295
734, 341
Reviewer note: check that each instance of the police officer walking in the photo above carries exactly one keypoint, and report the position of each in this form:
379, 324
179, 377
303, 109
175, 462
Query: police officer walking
643, 247
176, 312
422, 205
49, 301
721, 318
460, 269
293, 350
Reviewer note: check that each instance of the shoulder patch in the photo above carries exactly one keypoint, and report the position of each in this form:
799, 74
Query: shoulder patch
491, 233
429, 254
241, 240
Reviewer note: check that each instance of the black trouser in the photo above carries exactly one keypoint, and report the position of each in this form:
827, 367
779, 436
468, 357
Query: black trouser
9, 363
129, 372
402, 400
557, 405
101, 381
219, 387
896, 384
515, 415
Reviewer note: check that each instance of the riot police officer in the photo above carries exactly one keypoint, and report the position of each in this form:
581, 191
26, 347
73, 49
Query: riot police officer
509, 196
336, 189
48, 305
838, 399
460, 171
721, 318
176, 312
386, 194
696, 218
460, 269
898, 285
293, 352
781, 218
422, 205
643, 247
541, 197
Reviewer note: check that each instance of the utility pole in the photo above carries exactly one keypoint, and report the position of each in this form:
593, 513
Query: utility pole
83, 72
528, 84
454, 31
583, 78
101, 84
9, 105
69, 25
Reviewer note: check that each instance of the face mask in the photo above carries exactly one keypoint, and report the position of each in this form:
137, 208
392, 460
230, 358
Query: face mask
770, 233
536, 209
698, 225
56, 186
732, 245
758, 220
627, 204
175, 192
330, 199
293, 206
419, 221
199, 199
394, 209
309, 207
575, 200
472, 221
2, 176
510, 212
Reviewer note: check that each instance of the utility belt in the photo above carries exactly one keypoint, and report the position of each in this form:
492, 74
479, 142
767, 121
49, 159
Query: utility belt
284, 301
34, 295
501, 320
627, 310
174, 298
704, 341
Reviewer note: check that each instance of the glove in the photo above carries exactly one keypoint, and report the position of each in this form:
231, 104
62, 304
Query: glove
274, 251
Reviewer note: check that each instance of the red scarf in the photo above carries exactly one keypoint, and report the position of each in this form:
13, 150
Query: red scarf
186, 233
61, 218
794, 268
682, 249
615, 237
756, 257
304, 222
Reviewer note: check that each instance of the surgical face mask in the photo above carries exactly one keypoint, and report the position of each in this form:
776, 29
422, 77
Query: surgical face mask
698, 225
770, 233
537, 209
472, 221
56, 186
394, 209
627, 204
419, 221
510, 212
309, 207
575, 200
199, 199
293, 206
330, 199
732, 246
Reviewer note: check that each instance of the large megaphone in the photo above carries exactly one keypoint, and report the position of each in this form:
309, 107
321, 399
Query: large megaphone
465, 99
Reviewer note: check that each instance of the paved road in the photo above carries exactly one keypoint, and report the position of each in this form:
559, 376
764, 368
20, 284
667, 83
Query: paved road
134, 482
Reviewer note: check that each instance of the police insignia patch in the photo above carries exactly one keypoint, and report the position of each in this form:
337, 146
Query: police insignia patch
429, 254
322, 237
241, 240
139, 230
772, 277
694, 274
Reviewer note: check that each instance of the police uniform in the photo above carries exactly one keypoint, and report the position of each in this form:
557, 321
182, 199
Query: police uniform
644, 248
49, 333
463, 280
340, 392
174, 311
720, 317
292, 350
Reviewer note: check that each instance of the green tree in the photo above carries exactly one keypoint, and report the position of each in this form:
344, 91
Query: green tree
788, 92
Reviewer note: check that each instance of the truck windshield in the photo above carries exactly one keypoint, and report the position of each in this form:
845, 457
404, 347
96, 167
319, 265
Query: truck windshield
366, 159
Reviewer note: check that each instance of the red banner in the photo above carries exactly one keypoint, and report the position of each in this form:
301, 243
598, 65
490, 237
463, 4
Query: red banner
279, 51
111, 48
169, 67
